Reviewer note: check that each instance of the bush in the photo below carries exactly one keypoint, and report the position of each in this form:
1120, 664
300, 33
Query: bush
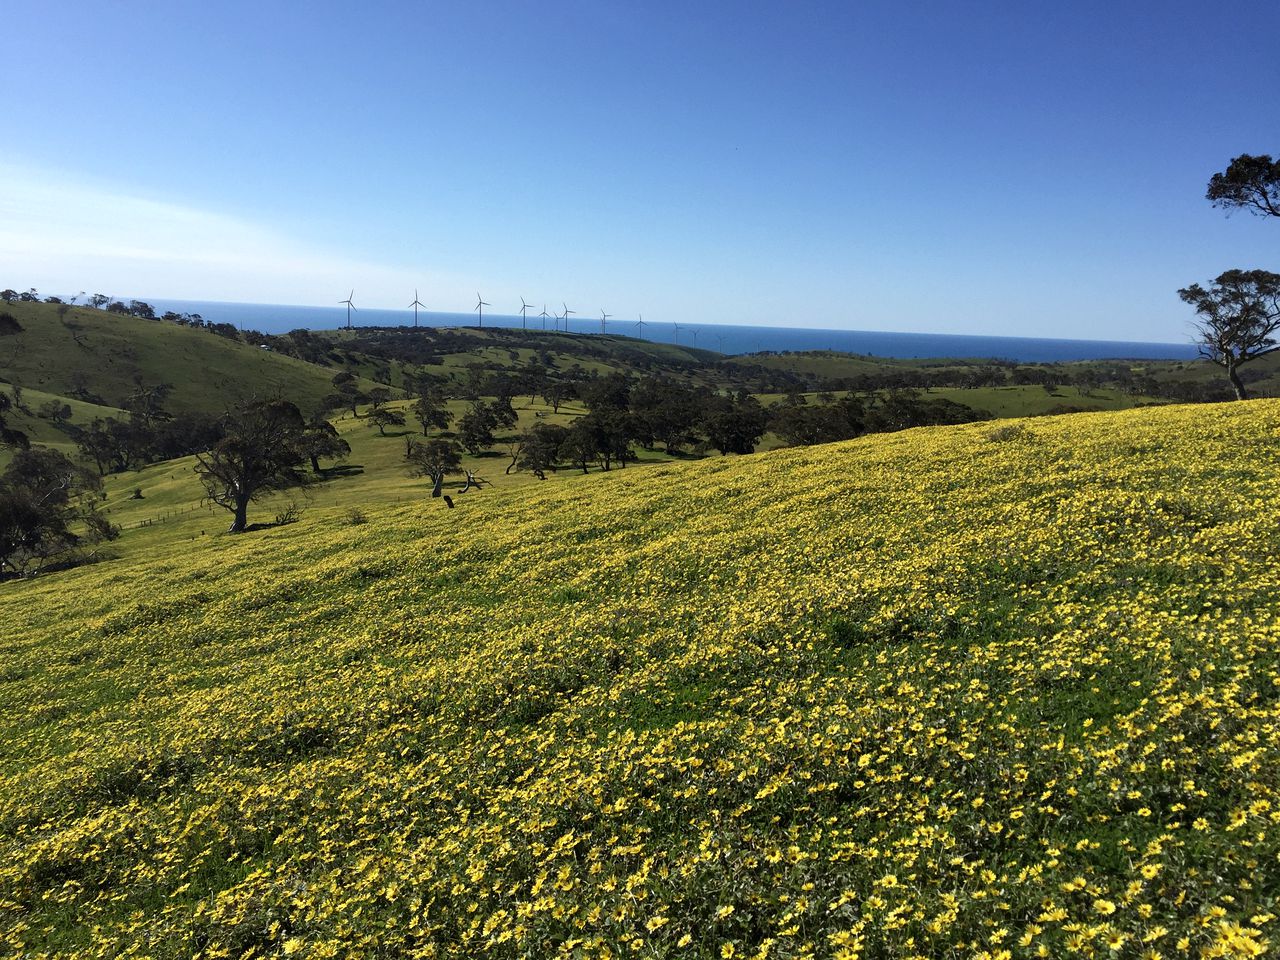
1010, 432
290, 513
355, 516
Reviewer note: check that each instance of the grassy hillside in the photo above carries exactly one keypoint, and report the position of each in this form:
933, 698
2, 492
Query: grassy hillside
996, 690
93, 353
172, 506
46, 432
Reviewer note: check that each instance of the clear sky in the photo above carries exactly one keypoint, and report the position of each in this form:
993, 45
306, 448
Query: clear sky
1017, 168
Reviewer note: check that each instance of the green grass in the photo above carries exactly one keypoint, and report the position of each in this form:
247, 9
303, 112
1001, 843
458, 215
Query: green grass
173, 508
46, 432
105, 354
934, 691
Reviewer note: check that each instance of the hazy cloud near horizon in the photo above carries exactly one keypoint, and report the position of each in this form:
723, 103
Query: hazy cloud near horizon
108, 240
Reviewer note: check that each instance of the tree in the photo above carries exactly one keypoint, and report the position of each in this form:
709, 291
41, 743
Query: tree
8, 295
378, 396
581, 443
55, 411
111, 444
735, 424
431, 413
502, 413
434, 459
260, 452
321, 440
42, 494
537, 448
147, 403
99, 300
611, 391
349, 394
475, 429
8, 436
382, 418
557, 392
1249, 183
1238, 319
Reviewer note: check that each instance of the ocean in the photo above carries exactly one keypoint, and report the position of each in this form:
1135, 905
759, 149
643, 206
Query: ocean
281, 318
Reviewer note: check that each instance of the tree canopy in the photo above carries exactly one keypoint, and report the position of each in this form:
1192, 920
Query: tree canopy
264, 444
1249, 183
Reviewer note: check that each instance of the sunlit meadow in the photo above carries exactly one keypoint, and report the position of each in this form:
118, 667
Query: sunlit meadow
989, 691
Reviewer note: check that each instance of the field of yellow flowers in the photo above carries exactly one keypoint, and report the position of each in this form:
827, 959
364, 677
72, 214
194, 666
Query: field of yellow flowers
988, 691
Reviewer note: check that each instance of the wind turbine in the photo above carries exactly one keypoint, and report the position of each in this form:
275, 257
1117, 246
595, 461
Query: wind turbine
524, 324
641, 326
416, 304
544, 316
567, 311
603, 319
350, 306
479, 308
675, 332
695, 335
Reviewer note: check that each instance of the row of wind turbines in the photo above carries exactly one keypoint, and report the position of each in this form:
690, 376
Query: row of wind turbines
525, 307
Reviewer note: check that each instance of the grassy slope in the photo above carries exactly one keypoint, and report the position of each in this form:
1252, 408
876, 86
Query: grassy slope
1263, 374
105, 352
1017, 401
375, 474
45, 432
930, 693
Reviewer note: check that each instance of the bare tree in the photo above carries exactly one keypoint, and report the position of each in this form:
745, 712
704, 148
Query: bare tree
1237, 319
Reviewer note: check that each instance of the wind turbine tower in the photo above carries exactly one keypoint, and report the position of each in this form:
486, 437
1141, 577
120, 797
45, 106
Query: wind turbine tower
480, 305
544, 316
350, 306
567, 311
604, 318
641, 326
416, 304
524, 324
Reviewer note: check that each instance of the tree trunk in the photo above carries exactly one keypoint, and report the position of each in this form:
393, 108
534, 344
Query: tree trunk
439, 484
315, 464
240, 520
1237, 383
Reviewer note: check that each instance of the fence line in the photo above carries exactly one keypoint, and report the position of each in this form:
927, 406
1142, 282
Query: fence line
166, 517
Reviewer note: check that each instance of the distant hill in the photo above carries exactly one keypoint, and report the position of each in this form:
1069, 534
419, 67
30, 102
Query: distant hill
940, 693
98, 357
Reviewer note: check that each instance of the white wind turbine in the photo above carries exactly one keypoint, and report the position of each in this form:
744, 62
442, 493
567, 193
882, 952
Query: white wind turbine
524, 324
350, 306
640, 324
479, 308
604, 318
416, 304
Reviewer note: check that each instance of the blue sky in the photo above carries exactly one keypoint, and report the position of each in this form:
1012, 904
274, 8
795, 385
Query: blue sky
998, 168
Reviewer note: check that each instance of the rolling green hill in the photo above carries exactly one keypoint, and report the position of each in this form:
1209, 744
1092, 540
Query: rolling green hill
979, 691
98, 356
